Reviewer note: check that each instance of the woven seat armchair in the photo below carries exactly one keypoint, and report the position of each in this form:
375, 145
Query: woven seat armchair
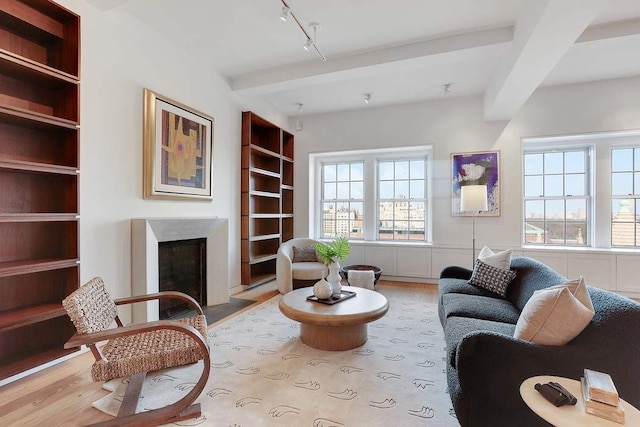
133, 350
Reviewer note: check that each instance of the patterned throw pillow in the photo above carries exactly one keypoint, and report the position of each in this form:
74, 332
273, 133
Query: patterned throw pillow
306, 254
491, 278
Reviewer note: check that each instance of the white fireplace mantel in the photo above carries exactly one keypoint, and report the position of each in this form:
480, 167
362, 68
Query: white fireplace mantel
145, 235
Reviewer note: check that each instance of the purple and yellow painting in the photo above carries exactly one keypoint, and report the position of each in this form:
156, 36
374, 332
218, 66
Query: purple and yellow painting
183, 152
481, 168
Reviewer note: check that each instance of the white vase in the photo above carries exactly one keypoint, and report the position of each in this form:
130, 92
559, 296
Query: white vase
334, 277
322, 289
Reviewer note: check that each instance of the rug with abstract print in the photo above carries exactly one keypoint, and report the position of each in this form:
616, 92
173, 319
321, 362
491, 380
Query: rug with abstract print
263, 375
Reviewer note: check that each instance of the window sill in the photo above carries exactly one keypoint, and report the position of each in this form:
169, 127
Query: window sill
549, 248
386, 243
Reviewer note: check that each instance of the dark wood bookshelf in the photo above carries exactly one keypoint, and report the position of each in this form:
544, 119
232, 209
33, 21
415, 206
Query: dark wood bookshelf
39, 180
266, 197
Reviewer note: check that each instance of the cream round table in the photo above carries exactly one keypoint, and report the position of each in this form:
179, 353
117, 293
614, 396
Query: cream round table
341, 326
569, 415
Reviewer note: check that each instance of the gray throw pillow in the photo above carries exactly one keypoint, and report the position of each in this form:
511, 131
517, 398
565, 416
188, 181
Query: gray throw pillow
306, 254
491, 278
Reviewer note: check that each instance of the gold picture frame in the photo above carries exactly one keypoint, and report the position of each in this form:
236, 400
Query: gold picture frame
178, 150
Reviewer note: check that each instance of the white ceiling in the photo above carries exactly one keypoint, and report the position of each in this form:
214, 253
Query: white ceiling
400, 51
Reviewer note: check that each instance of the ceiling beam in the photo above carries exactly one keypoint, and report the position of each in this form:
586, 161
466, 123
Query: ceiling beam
545, 31
368, 63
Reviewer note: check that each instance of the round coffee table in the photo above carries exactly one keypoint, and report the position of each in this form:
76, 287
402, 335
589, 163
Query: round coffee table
341, 326
569, 415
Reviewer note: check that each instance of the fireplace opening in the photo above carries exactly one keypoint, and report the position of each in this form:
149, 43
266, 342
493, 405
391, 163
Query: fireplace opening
182, 266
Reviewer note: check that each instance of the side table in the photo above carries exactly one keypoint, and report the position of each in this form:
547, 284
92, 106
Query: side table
569, 415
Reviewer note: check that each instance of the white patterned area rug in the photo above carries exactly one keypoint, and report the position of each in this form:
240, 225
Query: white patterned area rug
263, 375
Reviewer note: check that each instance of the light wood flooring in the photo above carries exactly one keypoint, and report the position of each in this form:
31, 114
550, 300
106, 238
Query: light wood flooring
62, 394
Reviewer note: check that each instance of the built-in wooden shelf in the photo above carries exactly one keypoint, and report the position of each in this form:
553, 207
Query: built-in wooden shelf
266, 195
264, 237
14, 268
39, 180
37, 167
22, 116
29, 315
263, 258
265, 172
39, 217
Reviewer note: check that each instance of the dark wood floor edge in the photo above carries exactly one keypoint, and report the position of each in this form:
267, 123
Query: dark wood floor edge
262, 299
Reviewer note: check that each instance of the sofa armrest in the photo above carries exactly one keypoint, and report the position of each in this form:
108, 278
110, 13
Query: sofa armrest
455, 272
506, 362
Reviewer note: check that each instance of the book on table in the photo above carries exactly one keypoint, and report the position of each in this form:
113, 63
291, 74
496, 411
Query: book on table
601, 387
599, 409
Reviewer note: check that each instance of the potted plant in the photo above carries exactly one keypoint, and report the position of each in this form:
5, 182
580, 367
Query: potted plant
331, 254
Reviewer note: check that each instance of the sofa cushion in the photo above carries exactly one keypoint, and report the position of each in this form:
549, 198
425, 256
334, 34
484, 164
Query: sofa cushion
531, 275
491, 278
498, 260
457, 327
556, 315
460, 286
304, 254
479, 307
308, 270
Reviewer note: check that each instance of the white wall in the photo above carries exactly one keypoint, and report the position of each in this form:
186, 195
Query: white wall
120, 57
457, 125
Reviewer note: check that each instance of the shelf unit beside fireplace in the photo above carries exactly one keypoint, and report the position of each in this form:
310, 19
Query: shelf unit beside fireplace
39, 209
267, 196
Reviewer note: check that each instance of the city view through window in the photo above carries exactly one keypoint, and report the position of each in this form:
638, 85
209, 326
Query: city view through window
625, 192
400, 193
556, 198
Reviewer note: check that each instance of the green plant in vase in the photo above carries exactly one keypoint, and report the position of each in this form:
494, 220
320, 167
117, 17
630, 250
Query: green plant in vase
332, 254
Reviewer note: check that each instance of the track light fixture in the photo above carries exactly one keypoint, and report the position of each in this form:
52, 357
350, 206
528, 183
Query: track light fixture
300, 106
285, 13
367, 98
311, 41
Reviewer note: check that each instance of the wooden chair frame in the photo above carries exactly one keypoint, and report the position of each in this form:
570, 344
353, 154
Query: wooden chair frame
179, 410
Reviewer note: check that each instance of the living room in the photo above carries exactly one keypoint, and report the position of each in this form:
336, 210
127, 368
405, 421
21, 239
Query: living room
587, 88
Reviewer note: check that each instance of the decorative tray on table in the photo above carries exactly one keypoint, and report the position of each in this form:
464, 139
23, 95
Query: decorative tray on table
334, 299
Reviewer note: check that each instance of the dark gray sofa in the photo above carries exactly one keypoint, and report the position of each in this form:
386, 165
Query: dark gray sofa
486, 365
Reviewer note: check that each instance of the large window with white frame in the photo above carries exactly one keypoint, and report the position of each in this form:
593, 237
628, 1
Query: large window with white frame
342, 199
402, 199
557, 196
373, 195
625, 196
568, 202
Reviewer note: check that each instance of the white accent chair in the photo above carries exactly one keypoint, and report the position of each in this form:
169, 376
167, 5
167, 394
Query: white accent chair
292, 275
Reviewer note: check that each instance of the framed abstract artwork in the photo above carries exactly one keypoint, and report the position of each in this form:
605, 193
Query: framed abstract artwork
478, 168
178, 149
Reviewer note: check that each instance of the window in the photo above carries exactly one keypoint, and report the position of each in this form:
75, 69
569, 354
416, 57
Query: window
401, 199
625, 196
557, 197
342, 200
371, 195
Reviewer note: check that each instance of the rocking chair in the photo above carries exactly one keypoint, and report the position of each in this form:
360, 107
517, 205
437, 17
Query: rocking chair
136, 349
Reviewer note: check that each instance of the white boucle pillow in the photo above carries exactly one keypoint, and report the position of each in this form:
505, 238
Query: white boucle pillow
498, 260
555, 315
